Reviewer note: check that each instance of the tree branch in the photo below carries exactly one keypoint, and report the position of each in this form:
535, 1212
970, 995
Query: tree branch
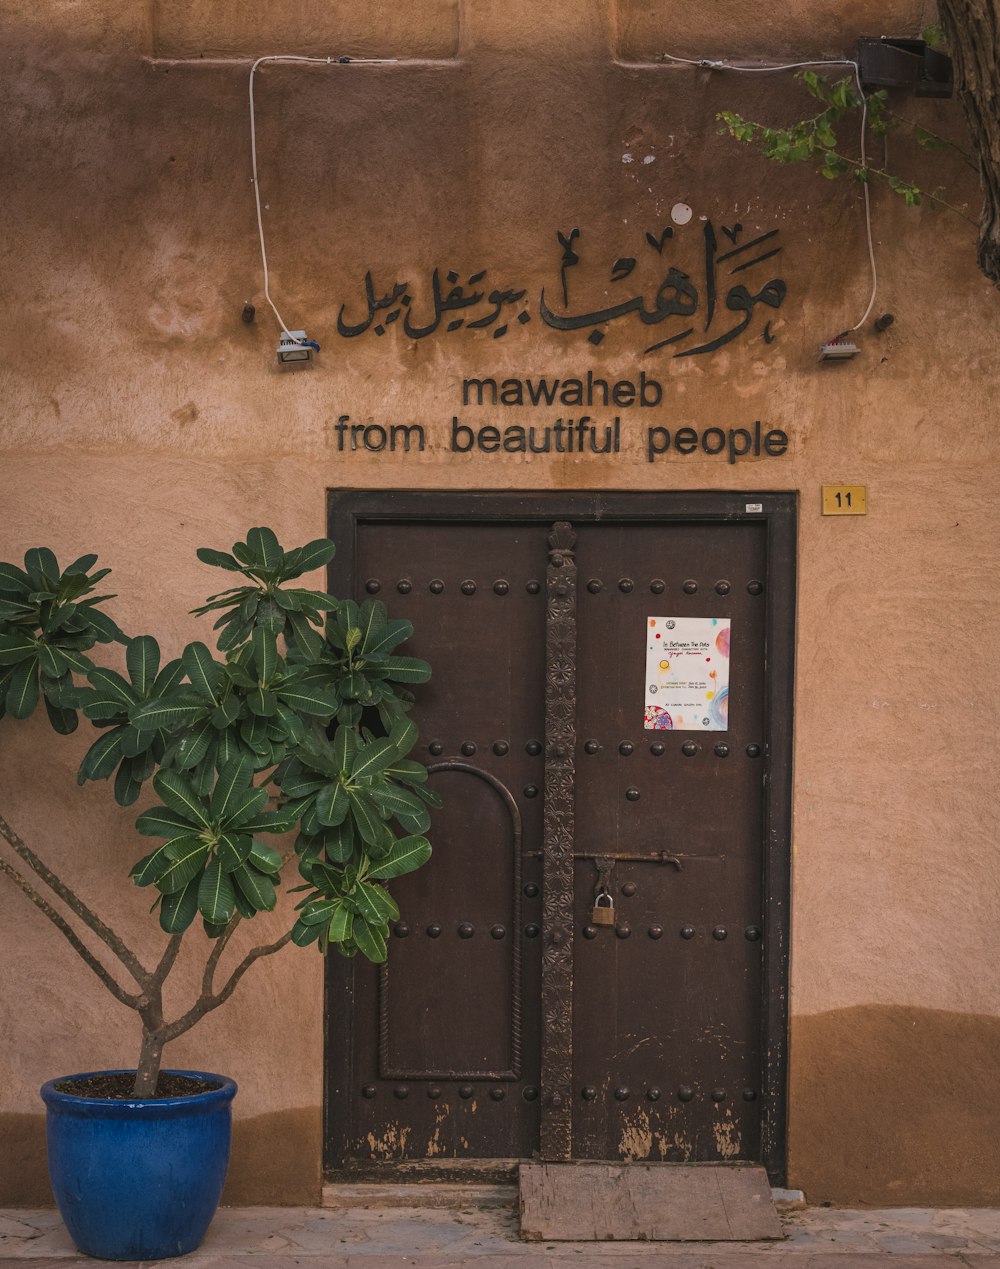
827, 152
207, 1002
888, 178
166, 961
946, 143
971, 32
216, 955
255, 954
107, 936
66, 929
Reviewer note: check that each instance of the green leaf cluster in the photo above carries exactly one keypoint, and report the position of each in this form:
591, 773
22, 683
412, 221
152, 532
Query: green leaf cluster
359, 663
306, 702
49, 620
109, 701
349, 907
210, 862
814, 139
249, 704
264, 603
350, 795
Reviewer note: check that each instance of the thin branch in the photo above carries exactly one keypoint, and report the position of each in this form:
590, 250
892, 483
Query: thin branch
254, 955
945, 141
216, 955
166, 961
885, 175
107, 936
63, 926
888, 177
206, 1003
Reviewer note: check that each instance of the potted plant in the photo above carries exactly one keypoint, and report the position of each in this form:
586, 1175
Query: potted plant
298, 722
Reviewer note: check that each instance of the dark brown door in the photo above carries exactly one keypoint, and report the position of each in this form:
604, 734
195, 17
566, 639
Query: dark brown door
511, 1020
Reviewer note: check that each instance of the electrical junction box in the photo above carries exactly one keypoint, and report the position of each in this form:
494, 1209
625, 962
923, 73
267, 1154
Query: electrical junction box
911, 65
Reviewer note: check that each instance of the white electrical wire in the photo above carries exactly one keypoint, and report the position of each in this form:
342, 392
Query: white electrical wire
836, 61
688, 61
288, 57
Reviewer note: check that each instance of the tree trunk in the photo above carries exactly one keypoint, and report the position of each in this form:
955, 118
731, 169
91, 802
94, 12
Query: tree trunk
150, 1057
972, 29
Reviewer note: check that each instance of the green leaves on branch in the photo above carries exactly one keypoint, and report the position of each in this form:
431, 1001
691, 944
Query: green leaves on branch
299, 680
264, 603
347, 794
911, 194
251, 704
49, 620
209, 861
109, 702
348, 780
359, 661
347, 906
815, 139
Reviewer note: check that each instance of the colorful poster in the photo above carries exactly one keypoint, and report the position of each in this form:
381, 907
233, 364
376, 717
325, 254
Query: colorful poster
687, 673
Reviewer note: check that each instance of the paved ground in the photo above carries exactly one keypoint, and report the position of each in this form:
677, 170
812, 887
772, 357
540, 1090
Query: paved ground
486, 1238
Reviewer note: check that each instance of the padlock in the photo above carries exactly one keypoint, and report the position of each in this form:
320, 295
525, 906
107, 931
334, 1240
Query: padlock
604, 910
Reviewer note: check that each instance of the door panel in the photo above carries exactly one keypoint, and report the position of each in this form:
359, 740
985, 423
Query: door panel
448, 1047
666, 1004
676, 1047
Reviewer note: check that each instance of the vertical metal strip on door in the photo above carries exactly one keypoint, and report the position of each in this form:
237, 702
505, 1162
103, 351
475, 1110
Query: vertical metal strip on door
558, 838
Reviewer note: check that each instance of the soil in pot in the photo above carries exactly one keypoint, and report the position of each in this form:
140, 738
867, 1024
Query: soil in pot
119, 1084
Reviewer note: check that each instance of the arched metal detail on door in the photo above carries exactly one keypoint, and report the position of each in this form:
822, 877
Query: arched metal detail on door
388, 1068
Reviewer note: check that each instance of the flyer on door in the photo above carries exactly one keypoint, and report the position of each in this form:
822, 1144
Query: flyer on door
687, 673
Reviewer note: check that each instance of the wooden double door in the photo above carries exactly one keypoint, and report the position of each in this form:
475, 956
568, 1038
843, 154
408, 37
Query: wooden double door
594, 963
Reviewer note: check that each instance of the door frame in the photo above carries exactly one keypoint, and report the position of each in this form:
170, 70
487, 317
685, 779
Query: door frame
347, 509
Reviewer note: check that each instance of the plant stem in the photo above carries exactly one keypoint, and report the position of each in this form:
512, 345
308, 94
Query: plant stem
216, 955
70, 934
888, 176
166, 961
150, 1057
156, 1033
73, 901
208, 1001
945, 141
148, 1003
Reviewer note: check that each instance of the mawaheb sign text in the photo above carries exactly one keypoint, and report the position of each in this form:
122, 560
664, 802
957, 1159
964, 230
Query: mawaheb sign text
618, 404
664, 295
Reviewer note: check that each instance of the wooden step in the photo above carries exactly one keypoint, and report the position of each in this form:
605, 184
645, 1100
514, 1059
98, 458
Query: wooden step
662, 1202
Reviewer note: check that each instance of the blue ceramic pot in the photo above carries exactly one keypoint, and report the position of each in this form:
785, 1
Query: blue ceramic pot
138, 1180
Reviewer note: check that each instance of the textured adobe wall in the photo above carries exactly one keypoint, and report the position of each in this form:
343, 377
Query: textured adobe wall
139, 418
646, 30
373, 29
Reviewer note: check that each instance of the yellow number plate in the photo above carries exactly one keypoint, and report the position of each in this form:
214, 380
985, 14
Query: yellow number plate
845, 500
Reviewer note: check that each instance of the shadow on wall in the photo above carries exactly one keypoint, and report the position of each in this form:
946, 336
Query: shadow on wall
276, 1160
26, 1177
890, 1107
893, 1106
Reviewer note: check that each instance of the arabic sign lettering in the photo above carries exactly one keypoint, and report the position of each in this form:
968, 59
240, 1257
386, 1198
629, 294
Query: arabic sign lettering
676, 300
